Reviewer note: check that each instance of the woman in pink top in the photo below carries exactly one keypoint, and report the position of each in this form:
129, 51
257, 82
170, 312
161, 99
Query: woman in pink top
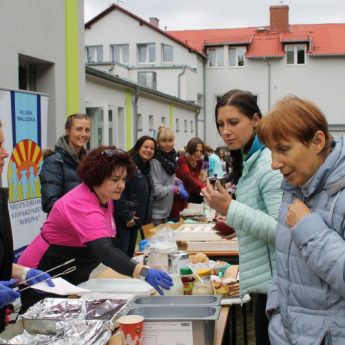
81, 225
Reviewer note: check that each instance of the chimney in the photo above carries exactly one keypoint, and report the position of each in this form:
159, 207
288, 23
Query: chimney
279, 18
154, 21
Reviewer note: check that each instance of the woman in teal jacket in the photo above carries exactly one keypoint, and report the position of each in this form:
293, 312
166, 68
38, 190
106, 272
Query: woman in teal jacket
254, 212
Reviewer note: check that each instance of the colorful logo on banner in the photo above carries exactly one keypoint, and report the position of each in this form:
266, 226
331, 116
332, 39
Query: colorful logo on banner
25, 164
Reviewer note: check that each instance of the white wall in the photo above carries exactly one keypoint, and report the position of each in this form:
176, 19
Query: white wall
100, 93
36, 28
105, 32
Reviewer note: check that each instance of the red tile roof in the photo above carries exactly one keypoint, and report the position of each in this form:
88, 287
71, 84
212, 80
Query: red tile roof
322, 39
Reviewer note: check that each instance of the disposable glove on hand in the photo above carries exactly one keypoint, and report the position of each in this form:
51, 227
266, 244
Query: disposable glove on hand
183, 193
158, 280
7, 295
36, 276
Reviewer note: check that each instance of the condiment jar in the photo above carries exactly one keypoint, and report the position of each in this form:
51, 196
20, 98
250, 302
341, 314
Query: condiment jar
177, 288
187, 280
202, 288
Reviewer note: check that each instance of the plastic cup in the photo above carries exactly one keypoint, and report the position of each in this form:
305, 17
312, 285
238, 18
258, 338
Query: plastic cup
131, 329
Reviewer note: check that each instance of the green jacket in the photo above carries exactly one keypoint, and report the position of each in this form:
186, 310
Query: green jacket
254, 216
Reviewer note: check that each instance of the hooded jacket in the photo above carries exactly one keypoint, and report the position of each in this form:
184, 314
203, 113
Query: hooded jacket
307, 300
59, 173
254, 216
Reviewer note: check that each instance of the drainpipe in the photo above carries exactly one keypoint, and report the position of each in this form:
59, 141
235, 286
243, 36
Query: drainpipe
135, 112
179, 81
269, 85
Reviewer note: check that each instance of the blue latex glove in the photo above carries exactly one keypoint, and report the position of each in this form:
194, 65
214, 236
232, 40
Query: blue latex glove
36, 276
7, 295
159, 279
183, 193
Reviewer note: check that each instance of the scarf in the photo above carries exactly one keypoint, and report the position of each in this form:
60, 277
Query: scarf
256, 146
167, 160
144, 167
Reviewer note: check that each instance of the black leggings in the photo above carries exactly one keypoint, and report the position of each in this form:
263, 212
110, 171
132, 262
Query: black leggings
261, 320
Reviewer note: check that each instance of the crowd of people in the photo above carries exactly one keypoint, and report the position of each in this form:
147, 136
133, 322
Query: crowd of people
288, 211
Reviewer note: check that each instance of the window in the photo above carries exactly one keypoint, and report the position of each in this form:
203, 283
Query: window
120, 53
146, 53
27, 76
140, 122
94, 54
295, 54
148, 79
163, 120
177, 125
236, 56
185, 126
191, 126
216, 57
151, 123
167, 53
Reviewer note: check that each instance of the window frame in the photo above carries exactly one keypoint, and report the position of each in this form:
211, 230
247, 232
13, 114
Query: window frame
99, 49
153, 84
147, 53
217, 55
295, 50
162, 53
122, 55
239, 51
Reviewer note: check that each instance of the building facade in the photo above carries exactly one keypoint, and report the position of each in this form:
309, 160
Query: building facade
42, 45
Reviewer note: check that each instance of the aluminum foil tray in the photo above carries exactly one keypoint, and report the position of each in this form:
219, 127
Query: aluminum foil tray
76, 332
52, 310
211, 300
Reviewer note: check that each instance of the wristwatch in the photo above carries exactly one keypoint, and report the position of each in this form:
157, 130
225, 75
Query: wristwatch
144, 272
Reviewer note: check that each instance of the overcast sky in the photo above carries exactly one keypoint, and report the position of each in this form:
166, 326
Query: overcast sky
203, 14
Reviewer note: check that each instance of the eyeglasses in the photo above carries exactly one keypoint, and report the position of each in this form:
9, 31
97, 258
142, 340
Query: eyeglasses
112, 152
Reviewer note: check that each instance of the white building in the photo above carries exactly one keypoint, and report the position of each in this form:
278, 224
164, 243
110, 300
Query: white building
163, 78
270, 61
42, 45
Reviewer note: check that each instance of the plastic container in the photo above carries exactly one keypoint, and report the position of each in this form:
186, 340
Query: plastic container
202, 319
177, 288
212, 300
187, 279
202, 288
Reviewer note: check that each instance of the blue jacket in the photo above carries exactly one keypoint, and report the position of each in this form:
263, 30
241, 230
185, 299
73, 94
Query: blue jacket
253, 215
307, 300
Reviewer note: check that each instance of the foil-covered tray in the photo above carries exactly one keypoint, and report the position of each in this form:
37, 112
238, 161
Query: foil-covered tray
52, 310
72, 332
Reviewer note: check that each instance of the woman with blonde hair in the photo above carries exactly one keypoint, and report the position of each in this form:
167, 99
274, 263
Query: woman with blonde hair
163, 171
306, 303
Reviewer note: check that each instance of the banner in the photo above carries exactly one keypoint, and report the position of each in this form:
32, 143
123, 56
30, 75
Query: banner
24, 121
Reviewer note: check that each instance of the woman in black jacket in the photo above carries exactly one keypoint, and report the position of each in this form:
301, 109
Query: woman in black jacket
58, 175
134, 208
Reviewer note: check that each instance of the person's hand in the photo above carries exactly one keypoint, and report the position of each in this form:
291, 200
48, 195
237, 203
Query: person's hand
183, 194
132, 222
7, 295
35, 276
217, 197
159, 279
296, 211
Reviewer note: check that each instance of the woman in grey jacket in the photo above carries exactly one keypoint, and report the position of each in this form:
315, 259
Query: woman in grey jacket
59, 171
163, 171
306, 304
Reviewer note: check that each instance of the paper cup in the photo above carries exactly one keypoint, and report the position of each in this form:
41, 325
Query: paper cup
131, 329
